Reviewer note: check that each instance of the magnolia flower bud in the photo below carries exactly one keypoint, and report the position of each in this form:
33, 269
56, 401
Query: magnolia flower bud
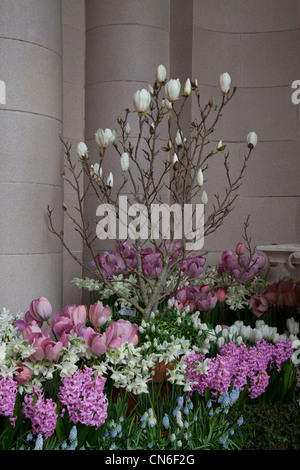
110, 180
105, 138
178, 138
161, 73
219, 145
127, 128
175, 162
97, 169
81, 149
200, 179
225, 81
172, 89
150, 89
204, 198
251, 140
141, 100
125, 161
187, 87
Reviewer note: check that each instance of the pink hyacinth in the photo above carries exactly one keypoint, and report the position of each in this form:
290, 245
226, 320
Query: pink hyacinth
8, 393
41, 412
235, 366
82, 396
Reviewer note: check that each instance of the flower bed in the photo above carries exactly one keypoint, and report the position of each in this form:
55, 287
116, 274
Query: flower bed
87, 378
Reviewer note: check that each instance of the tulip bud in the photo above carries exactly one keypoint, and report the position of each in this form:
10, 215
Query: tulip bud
110, 180
161, 73
187, 87
125, 161
225, 81
251, 140
200, 178
127, 128
204, 198
81, 150
175, 162
141, 100
240, 249
172, 90
105, 138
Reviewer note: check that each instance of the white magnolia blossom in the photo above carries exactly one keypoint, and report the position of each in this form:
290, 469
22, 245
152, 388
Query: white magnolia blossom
252, 139
220, 144
81, 149
225, 81
204, 198
97, 169
141, 100
172, 89
110, 180
200, 178
161, 73
127, 128
124, 161
187, 87
105, 137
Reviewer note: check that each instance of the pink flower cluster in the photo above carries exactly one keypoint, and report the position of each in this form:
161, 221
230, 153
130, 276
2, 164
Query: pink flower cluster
41, 412
237, 365
202, 298
73, 320
83, 398
8, 393
124, 259
283, 292
239, 265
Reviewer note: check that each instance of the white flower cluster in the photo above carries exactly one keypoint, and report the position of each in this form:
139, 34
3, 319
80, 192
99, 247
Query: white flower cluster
86, 283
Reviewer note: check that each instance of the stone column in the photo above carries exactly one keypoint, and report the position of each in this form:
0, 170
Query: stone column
125, 42
258, 44
31, 152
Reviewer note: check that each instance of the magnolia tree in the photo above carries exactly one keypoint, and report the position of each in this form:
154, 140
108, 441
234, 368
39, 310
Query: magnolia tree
160, 224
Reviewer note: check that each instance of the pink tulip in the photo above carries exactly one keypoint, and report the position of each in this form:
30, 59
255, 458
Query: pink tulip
259, 305
193, 266
79, 315
23, 374
122, 331
206, 301
95, 341
221, 295
52, 349
229, 261
240, 249
98, 314
40, 310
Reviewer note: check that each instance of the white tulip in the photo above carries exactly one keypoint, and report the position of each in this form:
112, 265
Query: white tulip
292, 326
187, 87
225, 81
110, 180
172, 89
251, 140
125, 161
81, 149
204, 198
105, 137
141, 100
161, 73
